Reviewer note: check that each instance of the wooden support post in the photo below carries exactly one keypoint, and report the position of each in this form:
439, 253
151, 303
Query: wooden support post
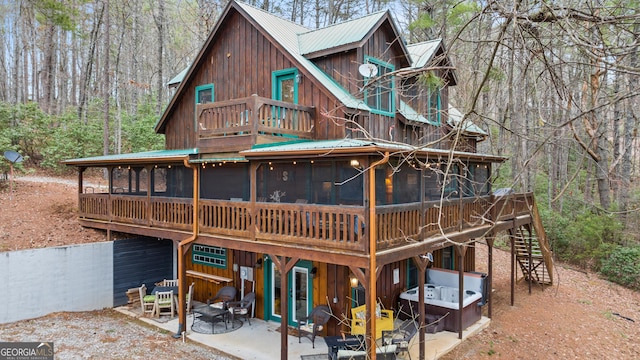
284, 267
490, 239
530, 270
513, 267
80, 178
461, 250
421, 264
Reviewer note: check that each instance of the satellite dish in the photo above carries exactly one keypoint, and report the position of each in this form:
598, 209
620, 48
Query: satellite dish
368, 70
13, 156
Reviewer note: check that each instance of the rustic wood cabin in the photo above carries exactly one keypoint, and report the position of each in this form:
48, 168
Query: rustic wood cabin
316, 167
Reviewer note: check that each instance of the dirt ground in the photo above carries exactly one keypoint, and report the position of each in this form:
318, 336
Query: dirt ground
580, 317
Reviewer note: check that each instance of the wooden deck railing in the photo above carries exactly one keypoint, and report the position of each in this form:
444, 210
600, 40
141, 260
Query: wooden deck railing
254, 115
338, 227
399, 224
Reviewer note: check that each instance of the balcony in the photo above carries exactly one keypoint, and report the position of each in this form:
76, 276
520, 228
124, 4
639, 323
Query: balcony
238, 124
328, 227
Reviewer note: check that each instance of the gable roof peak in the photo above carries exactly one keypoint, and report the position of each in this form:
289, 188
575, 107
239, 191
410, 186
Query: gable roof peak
246, 6
346, 33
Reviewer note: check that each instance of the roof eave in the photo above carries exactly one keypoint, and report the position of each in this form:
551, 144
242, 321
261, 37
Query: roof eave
128, 161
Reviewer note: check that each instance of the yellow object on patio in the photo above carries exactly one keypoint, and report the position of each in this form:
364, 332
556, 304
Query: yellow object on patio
384, 320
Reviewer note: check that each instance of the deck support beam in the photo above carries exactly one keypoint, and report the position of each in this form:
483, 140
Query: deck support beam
284, 266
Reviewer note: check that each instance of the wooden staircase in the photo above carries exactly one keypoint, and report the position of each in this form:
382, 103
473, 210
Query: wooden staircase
532, 251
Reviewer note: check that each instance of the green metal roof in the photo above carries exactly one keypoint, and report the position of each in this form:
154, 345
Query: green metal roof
410, 114
156, 156
286, 34
455, 118
422, 53
332, 148
178, 78
344, 33
298, 40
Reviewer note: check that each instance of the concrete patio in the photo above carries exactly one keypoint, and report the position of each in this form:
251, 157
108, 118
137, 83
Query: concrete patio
261, 339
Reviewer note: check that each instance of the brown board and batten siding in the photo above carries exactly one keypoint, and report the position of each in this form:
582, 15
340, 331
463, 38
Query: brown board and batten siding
237, 70
343, 68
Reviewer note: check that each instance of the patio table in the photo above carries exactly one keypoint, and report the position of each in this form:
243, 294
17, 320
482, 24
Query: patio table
335, 343
209, 314
165, 289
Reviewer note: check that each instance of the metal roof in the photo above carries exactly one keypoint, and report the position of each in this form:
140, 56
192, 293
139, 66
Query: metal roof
422, 53
410, 114
356, 146
146, 157
178, 78
348, 32
286, 34
298, 40
455, 117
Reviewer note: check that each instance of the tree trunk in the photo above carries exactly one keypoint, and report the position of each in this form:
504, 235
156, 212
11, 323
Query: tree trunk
105, 80
47, 69
86, 77
160, 25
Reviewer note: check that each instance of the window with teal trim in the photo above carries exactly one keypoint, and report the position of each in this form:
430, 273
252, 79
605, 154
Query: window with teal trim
209, 255
380, 95
204, 94
433, 114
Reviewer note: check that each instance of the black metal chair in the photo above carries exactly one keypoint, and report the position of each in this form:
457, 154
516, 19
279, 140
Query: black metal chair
401, 336
313, 324
242, 308
222, 297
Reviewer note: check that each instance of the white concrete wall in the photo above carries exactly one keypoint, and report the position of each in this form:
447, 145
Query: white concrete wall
37, 282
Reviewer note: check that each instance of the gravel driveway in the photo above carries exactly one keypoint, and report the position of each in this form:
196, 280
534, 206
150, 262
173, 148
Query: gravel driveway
105, 334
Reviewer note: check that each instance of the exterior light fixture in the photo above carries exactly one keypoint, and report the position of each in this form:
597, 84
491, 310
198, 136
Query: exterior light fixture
354, 281
354, 163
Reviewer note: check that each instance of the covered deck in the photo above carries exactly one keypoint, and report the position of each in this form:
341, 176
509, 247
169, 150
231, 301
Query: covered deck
328, 227
264, 335
364, 236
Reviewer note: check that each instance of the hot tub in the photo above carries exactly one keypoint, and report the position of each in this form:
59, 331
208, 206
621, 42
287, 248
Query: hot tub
441, 300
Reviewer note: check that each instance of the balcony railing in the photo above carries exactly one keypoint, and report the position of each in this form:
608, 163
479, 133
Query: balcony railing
327, 226
254, 116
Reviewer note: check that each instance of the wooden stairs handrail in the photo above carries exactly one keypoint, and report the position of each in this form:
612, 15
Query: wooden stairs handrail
543, 241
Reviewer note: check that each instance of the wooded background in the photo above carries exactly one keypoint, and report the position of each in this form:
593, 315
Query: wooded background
554, 83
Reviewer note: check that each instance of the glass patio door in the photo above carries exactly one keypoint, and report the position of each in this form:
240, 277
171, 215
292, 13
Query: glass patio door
299, 292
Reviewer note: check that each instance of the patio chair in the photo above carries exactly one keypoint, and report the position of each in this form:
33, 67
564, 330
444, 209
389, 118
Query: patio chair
313, 324
401, 336
164, 300
243, 307
189, 297
222, 297
166, 282
147, 302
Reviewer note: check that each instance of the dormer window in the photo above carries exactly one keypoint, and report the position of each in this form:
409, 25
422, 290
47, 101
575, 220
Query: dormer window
380, 95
